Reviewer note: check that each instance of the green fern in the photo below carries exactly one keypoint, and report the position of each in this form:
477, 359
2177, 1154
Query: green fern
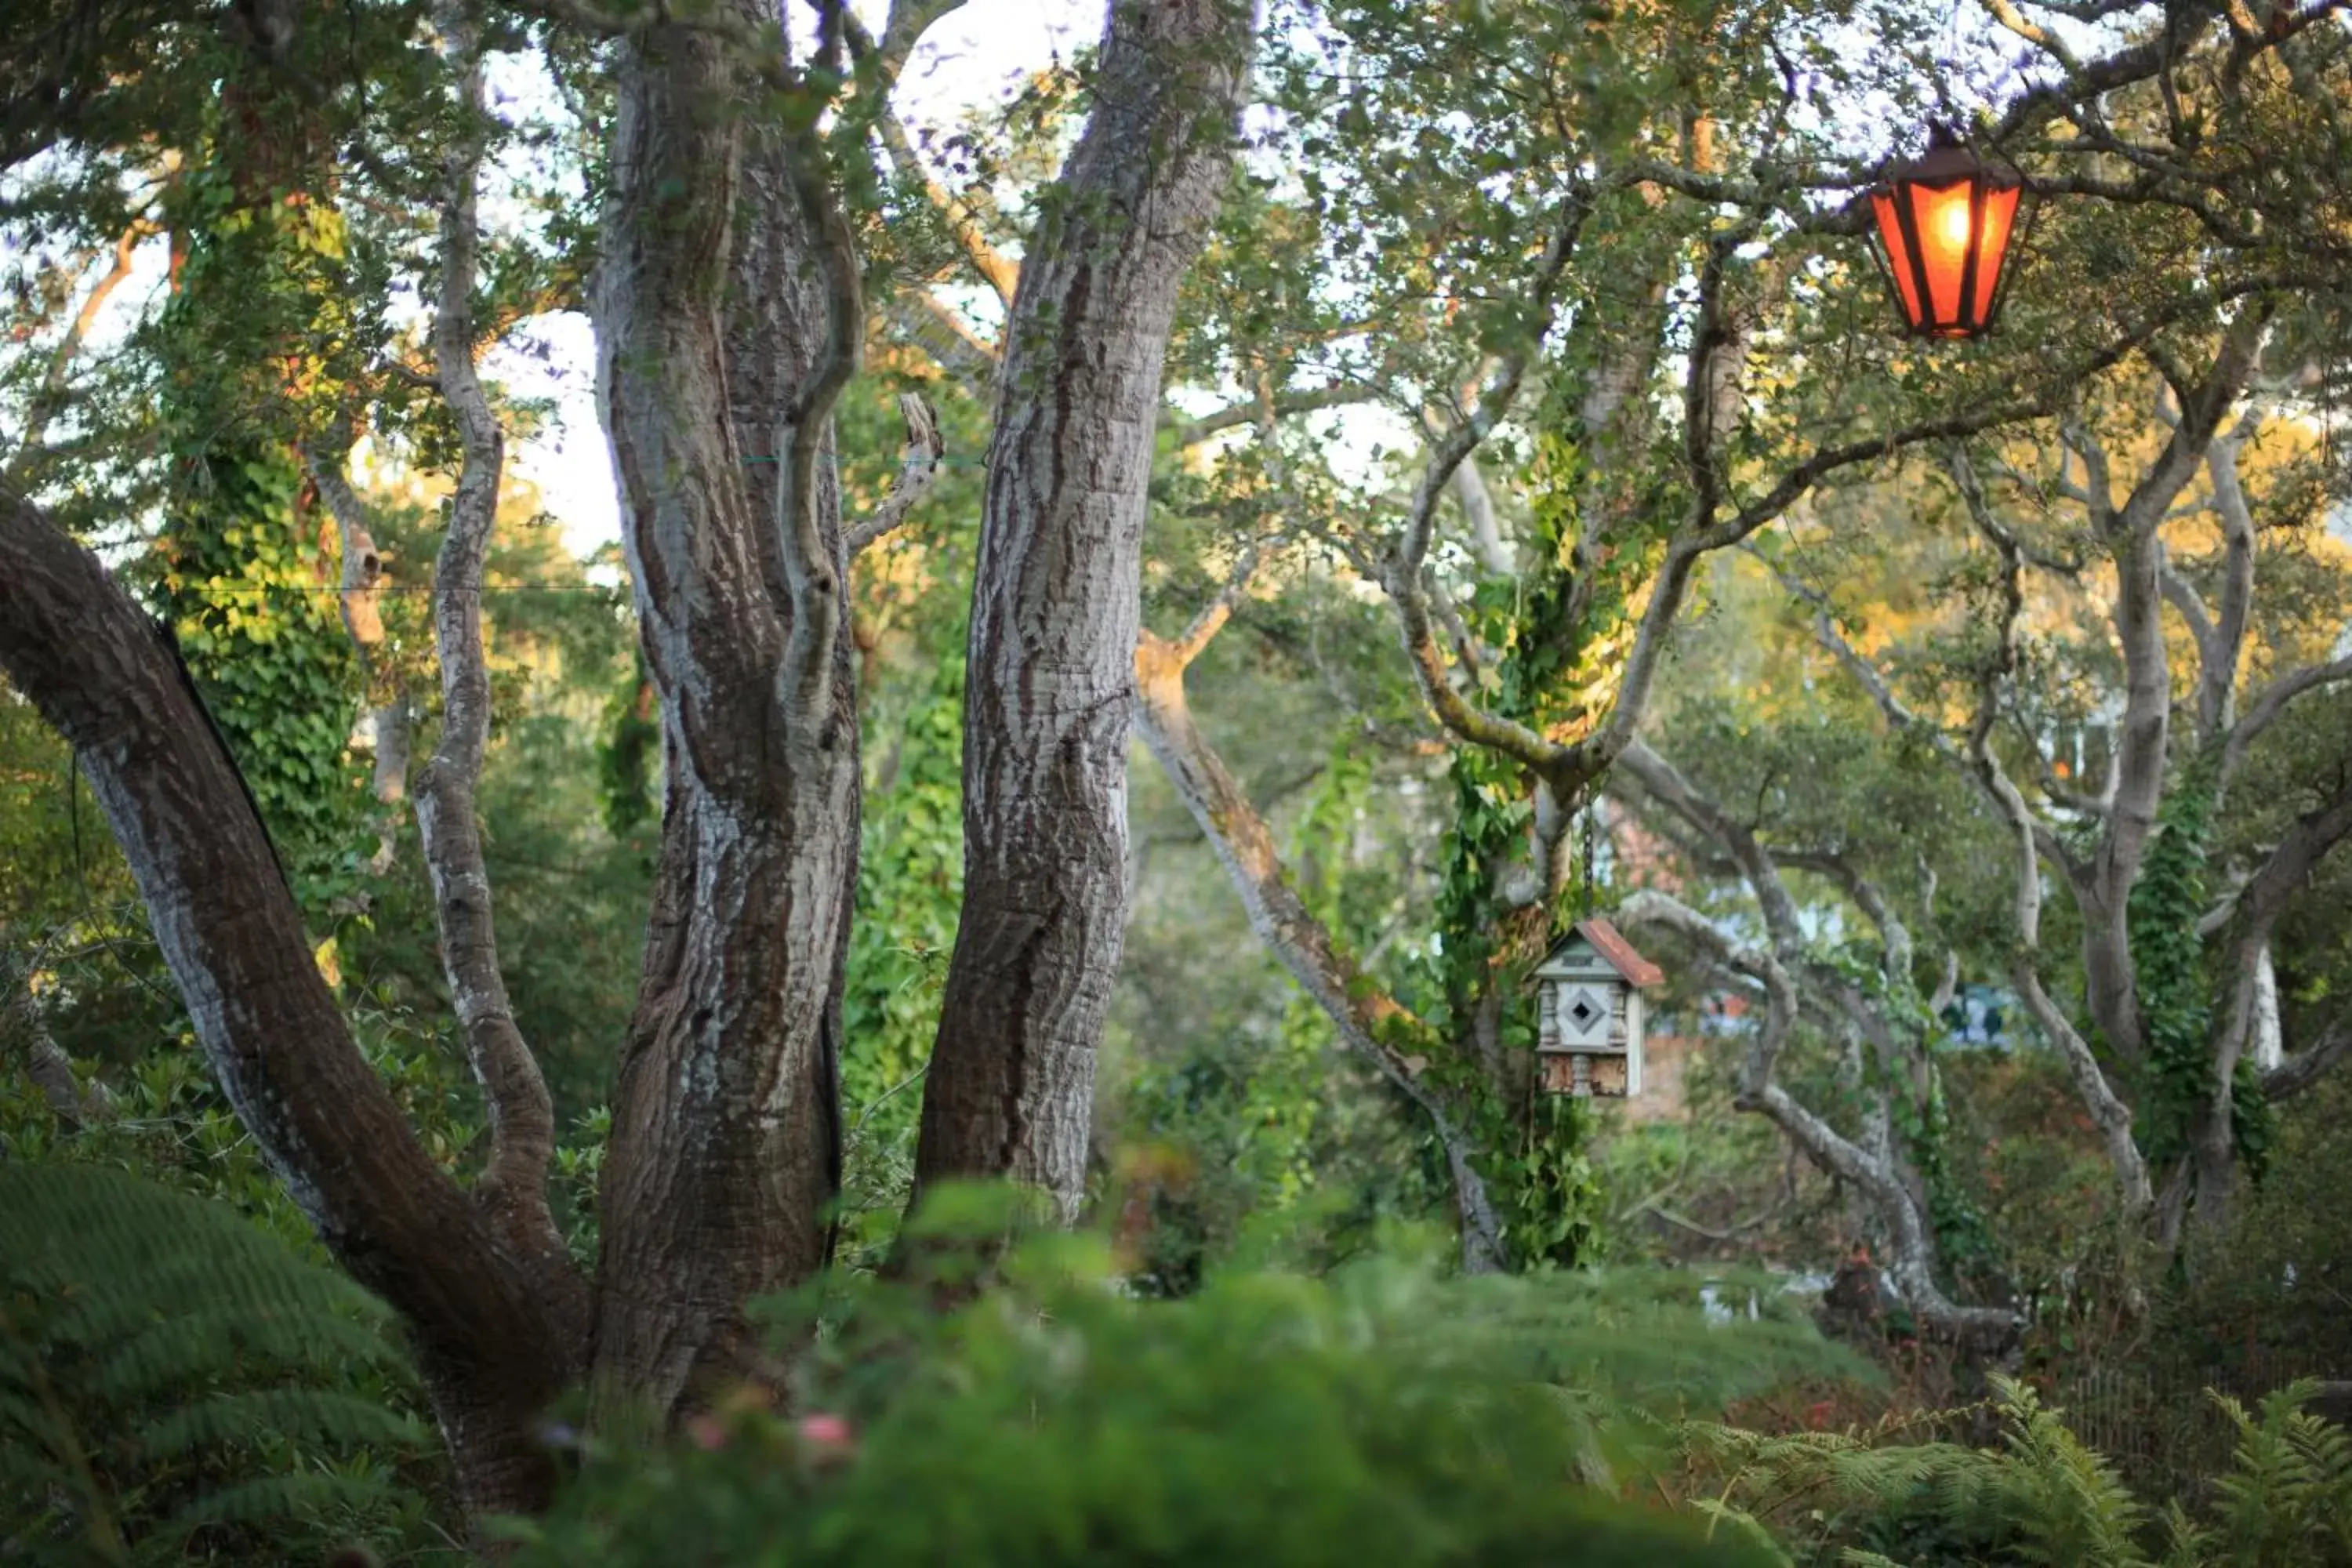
2064, 1505
177, 1384
2288, 1498
2041, 1498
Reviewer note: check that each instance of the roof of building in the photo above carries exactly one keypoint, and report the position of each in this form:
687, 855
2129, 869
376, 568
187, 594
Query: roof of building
1615, 951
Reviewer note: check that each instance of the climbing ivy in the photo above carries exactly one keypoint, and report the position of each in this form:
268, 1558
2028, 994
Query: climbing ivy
263, 311
2174, 983
265, 644
1552, 675
910, 891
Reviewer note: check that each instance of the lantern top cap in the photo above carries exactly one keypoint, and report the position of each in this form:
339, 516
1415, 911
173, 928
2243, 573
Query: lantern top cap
1949, 161
1614, 951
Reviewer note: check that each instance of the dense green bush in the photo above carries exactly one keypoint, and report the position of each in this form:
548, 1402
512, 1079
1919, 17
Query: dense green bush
1381, 1415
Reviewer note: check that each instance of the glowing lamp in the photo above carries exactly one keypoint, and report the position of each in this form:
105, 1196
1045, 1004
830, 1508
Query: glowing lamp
1944, 226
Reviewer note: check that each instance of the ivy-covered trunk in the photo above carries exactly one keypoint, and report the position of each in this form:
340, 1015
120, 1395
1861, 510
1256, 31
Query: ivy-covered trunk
1057, 603
243, 543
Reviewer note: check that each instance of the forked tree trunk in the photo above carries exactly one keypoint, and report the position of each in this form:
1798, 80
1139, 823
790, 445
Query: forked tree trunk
1055, 603
714, 324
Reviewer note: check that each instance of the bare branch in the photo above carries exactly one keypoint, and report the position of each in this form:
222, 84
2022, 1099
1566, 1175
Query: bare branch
2307, 1067
806, 572
513, 1186
1874, 1172
42, 409
920, 466
2108, 1111
361, 590
997, 270
2181, 594
2272, 699
1401, 574
923, 319
2217, 666
2033, 839
1663, 780
1193, 432
1864, 893
2007, 13
1366, 1017
363, 567
1897, 713
1496, 398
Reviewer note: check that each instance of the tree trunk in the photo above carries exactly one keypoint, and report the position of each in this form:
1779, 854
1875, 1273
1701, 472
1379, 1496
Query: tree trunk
491, 1327
719, 346
1056, 600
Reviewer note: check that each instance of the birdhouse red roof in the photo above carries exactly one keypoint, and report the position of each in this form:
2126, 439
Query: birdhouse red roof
1611, 945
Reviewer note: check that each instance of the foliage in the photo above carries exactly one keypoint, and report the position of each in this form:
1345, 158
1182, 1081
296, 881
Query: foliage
909, 886
2274, 1284
1380, 1413
176, 1384
2041, 1497
2168, 965
1248, 1145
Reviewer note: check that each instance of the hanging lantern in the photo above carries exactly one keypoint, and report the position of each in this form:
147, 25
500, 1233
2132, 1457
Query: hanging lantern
1944, 225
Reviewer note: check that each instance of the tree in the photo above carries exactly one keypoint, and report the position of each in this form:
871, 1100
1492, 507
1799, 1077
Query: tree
1706, 379
2165, 1040
1055, 602
729, 303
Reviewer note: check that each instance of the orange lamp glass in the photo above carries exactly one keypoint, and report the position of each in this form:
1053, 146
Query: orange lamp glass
1944, 226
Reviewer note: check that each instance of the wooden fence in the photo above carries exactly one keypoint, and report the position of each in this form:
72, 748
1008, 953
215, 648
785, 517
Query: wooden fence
2158, 1421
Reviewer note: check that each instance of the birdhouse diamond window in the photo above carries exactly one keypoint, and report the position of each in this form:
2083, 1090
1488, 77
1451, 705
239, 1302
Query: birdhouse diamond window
1589, 1013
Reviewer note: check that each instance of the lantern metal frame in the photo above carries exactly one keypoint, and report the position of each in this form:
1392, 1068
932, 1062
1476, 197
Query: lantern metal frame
1948, 163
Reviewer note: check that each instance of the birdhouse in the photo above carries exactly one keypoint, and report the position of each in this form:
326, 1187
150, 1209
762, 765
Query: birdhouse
1589, 1013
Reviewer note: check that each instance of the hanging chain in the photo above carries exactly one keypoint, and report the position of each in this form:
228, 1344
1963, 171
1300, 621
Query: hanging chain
1591, 818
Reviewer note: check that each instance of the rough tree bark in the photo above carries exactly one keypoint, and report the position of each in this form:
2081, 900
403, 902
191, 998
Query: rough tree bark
1055, 603
727, 319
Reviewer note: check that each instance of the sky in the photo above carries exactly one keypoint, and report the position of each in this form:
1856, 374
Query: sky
973, 56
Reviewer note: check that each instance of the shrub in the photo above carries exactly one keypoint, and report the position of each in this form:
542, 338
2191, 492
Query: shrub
1380, 1414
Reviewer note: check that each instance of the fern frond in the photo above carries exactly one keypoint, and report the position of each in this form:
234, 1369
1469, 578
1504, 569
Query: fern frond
170, 1372
303, 1415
